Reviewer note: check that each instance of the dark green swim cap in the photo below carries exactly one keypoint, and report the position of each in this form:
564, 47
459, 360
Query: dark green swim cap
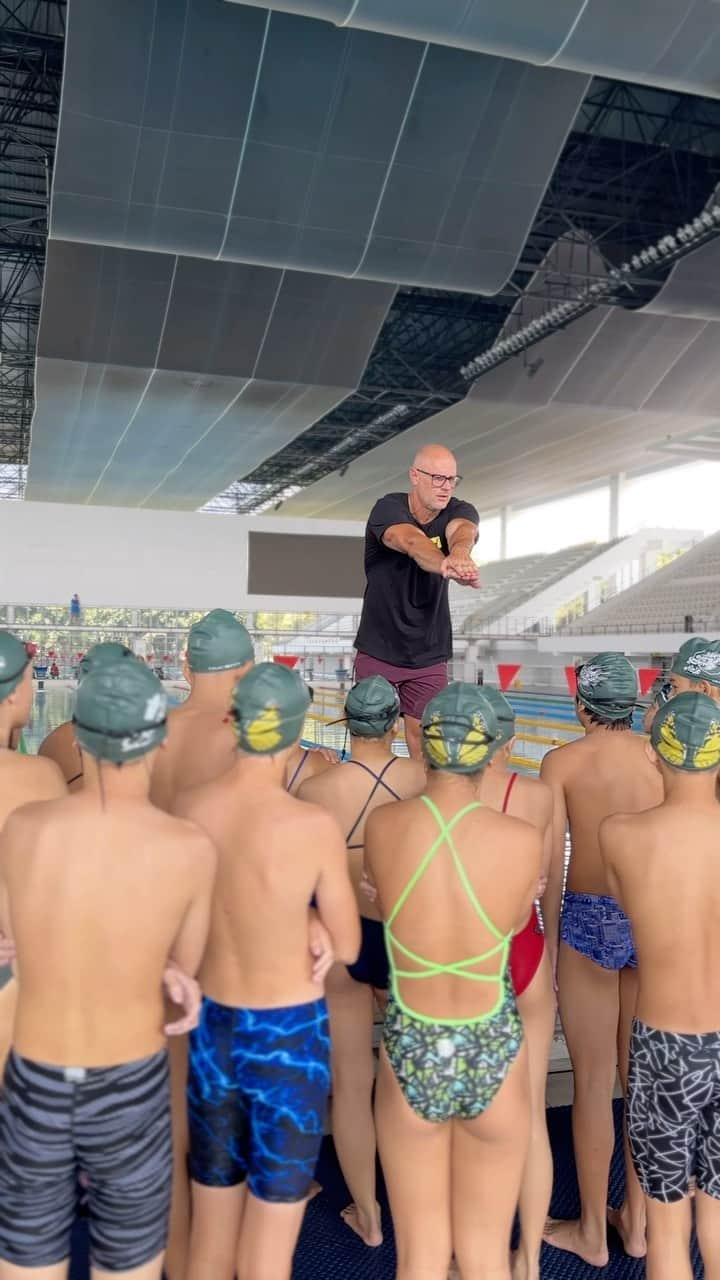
372, 707
120, 712
218, 642
698, 659
608, 686
460, 731
14, 659
269, 706
504, 713
686, 732
102, 655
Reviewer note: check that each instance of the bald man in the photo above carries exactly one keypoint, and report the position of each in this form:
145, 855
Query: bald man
414, 544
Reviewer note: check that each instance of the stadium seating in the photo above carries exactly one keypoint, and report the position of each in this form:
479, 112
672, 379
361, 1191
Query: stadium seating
686, 589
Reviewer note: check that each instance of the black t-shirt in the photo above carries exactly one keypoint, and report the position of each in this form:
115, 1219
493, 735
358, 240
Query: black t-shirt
406, 616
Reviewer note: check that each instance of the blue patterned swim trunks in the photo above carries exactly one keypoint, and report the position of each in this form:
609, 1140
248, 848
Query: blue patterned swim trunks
258, 1087
598, 928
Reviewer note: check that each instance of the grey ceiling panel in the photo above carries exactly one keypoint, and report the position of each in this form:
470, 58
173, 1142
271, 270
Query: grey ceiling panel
103, 305
672, 43
693, 288
371, 156
607, 394
160, 378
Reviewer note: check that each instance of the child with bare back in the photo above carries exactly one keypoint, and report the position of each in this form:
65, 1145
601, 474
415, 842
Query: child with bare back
605, 772
201, 744
60, 744
372, 776
99, 890
674, 1078
455, 880
530, 799
22, 779
260, 1058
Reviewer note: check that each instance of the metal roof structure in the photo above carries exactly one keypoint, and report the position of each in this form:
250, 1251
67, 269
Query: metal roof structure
263, 269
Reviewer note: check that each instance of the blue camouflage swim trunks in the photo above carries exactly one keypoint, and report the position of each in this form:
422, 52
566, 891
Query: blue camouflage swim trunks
258, 1087
598, 928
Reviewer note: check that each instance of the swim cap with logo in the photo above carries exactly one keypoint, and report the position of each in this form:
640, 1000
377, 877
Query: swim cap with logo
14, 658
120, 712
371, 707
698, 659
102, 655
608, 686
218, 642
504, 713
269, 706
460, 731
686, 733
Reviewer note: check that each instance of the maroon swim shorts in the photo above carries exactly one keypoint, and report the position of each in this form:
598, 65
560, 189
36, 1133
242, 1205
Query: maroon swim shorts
415, 685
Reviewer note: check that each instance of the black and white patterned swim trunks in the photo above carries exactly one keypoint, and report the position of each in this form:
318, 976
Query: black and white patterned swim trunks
674, 1111
111, 1122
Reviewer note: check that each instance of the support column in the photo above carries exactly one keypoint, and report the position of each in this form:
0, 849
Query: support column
616, 487
470, 662
11, 615
504, 517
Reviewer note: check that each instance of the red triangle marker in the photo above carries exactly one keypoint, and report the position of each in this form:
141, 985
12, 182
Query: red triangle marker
506, 673
648, 676
286, 659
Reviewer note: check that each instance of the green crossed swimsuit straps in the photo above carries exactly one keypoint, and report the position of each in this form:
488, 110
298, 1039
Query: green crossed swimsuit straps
450, 1066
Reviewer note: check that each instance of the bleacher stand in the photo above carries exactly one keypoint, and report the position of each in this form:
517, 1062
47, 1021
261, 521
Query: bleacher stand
508, 584
683, 596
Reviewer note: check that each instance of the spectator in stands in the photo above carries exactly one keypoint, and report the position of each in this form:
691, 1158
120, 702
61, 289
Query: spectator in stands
605, 772
75, 610
54, 671
414, 544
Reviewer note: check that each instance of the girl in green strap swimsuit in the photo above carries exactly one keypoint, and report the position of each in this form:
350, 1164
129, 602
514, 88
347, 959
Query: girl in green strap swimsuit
450, 1067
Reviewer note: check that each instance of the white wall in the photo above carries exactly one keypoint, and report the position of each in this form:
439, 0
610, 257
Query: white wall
116, 556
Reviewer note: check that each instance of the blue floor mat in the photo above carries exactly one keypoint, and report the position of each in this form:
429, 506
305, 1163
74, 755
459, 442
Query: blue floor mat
328, 1250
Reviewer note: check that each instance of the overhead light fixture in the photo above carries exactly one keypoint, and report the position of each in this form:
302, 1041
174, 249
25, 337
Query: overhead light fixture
685, 238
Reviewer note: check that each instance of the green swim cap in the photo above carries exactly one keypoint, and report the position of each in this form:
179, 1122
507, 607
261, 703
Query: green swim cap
504, 713
460, 731
120, 712
269, 706
14, 659
686, 733
371, 708
608, 686
218, 642
103, 654
698, 659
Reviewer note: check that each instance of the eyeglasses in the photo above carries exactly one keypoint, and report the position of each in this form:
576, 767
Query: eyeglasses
438, 480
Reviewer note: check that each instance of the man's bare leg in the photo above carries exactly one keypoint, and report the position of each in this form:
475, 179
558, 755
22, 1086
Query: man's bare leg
488, 1157
415, 1157
268, 1236
537, 1009
413, 737
630, 1219
217, 1215
707, 1225
668, 1253
589, 1008
351, 1007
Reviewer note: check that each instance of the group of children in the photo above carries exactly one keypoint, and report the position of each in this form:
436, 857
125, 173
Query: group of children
304, 894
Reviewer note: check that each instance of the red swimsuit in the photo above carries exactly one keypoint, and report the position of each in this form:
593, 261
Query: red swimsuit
528, 946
